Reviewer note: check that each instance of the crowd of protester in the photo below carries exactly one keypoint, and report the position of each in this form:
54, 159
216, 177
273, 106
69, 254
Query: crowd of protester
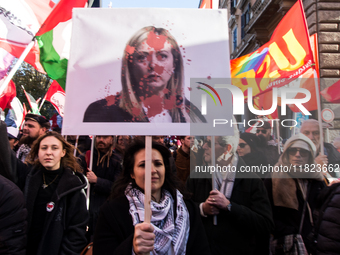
45, 210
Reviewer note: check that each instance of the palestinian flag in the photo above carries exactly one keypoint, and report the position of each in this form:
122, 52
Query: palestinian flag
54, 38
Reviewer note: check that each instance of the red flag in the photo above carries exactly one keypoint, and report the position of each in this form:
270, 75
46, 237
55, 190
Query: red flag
7, 95
307, 82
264, 102
332, 93
56, 95
284, 58
19, 27
206, 4
54, 121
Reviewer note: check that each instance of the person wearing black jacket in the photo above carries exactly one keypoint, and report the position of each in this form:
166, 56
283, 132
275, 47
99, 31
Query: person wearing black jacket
241, 205
106, 167
288, 190
13, 223
326, 238
54, 195
175, 226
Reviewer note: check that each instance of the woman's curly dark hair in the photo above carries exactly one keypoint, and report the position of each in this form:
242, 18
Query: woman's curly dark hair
68, 161
171, 182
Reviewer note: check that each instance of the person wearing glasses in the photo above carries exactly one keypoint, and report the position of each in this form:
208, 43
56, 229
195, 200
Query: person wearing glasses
249, 151
267, 144
241, 205
297, 181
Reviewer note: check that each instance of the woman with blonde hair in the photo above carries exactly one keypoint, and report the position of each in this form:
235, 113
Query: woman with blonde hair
152, 79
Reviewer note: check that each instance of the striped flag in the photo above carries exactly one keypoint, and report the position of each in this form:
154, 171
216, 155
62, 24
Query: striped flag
284, 58
54, 40
33, 103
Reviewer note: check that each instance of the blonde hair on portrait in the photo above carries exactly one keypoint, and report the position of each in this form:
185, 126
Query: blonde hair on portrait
129, 99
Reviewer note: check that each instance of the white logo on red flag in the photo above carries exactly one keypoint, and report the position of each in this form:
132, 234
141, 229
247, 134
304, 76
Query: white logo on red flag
56, 95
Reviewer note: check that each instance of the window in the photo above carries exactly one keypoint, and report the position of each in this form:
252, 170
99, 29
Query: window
245, 18
235, 39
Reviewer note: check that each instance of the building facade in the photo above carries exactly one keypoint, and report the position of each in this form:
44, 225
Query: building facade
252, 22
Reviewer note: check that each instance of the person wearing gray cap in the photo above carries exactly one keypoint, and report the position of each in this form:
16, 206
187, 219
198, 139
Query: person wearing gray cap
12, 134
35, 126
293, 189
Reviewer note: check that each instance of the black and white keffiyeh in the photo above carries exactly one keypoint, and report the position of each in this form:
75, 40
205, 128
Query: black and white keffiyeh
168, 232
224, 181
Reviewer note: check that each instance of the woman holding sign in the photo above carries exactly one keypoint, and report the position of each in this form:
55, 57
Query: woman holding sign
175, 228
152, 84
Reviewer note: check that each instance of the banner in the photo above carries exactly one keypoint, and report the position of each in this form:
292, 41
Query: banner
284, 58
132, 76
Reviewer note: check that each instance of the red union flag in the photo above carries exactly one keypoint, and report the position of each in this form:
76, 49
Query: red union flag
285, 57
332, 93
7, 95
56, 95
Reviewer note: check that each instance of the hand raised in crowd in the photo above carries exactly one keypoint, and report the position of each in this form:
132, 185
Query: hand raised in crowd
91, 176
323, 161
144, 238
218, 199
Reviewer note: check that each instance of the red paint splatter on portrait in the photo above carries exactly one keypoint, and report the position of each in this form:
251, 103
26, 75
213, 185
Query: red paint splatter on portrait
110, 100
159, 69
130, 49
154, 105
169, 103
156, 41
135, 111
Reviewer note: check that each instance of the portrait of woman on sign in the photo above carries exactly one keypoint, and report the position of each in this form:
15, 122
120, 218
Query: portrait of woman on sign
152, 77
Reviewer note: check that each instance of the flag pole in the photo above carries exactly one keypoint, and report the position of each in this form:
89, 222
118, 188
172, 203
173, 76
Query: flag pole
16, 66
76, 146
213, 163
147, 186
90, 167
215, 7
42, 102
278, 137
318, 102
